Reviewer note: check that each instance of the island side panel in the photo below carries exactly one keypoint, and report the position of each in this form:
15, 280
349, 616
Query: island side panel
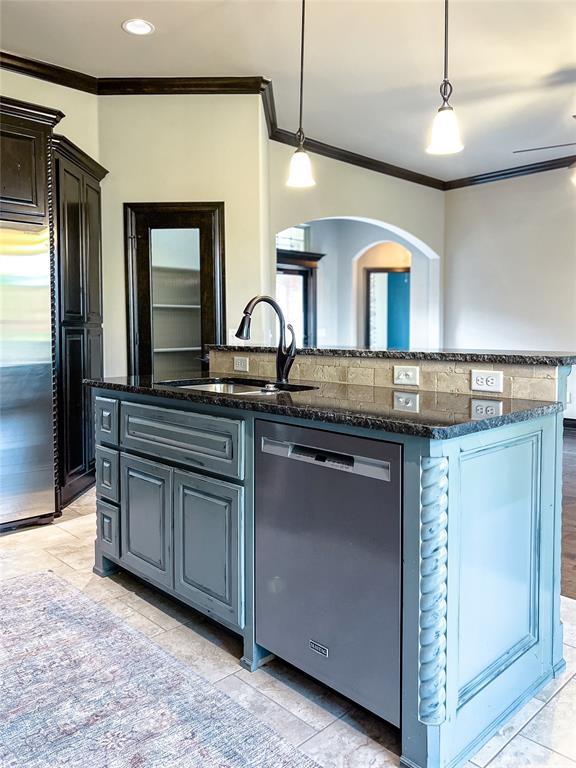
562, 396
420, 740
502, 514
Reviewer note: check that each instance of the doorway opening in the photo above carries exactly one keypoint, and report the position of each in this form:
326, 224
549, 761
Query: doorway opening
296, 292
387, 308
338, 304
175, 286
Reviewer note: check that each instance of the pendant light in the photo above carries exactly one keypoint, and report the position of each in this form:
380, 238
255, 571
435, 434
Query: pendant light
300, 174
445, 136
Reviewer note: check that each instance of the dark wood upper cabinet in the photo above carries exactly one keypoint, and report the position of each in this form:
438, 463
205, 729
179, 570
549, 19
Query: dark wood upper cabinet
25, 131
93, 256
78, 233
70, 240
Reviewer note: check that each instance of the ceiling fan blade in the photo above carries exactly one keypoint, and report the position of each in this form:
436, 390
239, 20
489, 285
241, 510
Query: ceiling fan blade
551, 146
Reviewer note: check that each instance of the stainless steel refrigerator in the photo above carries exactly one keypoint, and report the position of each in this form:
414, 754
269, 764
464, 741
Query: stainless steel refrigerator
27, 491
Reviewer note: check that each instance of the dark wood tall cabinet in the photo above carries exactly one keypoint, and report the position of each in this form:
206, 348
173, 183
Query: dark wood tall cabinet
77, 180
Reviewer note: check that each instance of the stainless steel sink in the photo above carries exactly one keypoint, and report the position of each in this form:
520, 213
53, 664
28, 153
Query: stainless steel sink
236, 386
222, 387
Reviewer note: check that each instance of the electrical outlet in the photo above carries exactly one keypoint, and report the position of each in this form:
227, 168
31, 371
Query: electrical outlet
485, 409
487, 381
407, 374
241, 364
407, 401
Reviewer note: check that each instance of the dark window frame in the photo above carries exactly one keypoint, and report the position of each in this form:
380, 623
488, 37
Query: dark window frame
303, 263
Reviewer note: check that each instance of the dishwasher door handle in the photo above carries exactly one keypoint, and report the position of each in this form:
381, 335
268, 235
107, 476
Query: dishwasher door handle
378, 469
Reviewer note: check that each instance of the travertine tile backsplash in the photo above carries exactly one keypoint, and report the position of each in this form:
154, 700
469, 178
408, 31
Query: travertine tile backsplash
531, 382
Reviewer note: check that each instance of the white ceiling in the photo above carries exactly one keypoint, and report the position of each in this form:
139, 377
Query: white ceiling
373, 67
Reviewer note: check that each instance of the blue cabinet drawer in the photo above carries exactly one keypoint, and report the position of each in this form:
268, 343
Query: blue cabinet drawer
107, 484
106, 420
207, 443
107, 528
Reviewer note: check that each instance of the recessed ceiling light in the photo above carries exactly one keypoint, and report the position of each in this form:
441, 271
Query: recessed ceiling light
137, 27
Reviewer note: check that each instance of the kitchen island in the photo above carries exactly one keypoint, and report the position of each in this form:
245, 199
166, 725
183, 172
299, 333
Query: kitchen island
477, 552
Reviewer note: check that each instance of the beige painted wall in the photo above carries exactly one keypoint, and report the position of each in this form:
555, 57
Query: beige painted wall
345, 190
80, 123
510, 265
182, 148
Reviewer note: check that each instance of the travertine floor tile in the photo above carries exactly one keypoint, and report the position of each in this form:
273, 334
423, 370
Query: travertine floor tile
96, 587
523, 753
14, 563
81, 527
310, 701
160, 609
555, 726
279, 719
210, 661
347, 744
79, 556
507, 732
87, 500
33, 539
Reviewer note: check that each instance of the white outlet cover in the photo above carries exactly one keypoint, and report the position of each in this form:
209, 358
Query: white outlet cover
241, 364
407, 375
407, 401
485, 409
487, 381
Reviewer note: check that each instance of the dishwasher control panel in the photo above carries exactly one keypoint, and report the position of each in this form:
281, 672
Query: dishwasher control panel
358, 465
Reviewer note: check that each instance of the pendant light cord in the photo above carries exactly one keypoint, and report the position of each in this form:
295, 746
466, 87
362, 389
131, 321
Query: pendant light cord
300, 133
446, 87
445, 39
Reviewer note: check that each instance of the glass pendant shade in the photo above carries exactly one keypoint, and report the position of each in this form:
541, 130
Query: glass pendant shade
300, 174
445, 136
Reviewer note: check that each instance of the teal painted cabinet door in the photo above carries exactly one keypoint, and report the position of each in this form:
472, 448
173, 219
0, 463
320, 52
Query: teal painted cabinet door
145, 518
208, 562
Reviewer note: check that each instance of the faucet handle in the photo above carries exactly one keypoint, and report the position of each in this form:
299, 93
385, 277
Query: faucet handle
291, 350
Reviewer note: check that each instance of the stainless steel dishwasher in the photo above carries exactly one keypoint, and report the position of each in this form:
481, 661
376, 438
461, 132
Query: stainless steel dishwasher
328, 559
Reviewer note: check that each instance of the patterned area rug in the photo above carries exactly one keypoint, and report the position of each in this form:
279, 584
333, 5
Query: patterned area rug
78, 688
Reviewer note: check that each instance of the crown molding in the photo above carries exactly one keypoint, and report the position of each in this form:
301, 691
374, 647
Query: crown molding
512, 173
16, 108
69, 150
124, 86
49, 72
353, 158
151, 86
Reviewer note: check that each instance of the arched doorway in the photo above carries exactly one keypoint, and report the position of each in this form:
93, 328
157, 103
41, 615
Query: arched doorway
336, 251
383, 281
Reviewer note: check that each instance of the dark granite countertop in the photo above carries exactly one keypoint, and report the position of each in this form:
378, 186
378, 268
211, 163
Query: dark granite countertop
502, 356
440, 416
